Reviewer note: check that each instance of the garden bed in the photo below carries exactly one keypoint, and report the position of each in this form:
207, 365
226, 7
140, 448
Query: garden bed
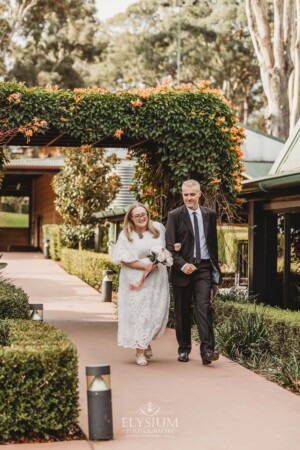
262, 338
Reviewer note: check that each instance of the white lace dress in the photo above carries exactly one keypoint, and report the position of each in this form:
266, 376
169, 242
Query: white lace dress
142, 314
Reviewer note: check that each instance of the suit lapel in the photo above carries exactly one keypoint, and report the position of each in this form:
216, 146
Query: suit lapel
205, 221
187, 219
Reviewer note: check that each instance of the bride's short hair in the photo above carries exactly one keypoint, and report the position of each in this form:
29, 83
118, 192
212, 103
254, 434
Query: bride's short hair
129, 227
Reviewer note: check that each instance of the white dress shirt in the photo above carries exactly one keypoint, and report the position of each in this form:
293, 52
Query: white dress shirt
203, 245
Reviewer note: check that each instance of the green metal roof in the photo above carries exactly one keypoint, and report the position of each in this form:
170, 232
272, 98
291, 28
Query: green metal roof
271, 183
256, 169
111, 213
255, 130
55, 162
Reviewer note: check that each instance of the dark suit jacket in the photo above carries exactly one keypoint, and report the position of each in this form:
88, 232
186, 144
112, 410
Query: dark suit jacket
180, 230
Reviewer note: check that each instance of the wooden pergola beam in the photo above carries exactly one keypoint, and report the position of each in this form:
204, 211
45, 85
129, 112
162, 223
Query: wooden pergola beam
54, 139
11, 137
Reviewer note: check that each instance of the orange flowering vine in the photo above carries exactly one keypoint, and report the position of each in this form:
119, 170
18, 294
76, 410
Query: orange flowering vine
136, 103
14, 98
85, 147
32, 127
118, 133
90, 91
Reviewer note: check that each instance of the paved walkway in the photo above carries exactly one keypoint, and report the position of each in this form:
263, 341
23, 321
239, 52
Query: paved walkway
166, 404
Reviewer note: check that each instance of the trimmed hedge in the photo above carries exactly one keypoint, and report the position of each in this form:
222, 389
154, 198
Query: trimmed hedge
88, 266
4, 333
262, 338
283, 326
13, 302
52, 233
38, 383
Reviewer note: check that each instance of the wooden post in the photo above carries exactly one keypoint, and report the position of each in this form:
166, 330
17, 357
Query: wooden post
257, 254
287, 259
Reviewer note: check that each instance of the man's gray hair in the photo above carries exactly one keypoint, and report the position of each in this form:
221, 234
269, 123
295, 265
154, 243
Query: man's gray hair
191, 184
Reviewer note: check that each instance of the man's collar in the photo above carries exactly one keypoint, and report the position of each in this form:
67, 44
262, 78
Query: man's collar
191, 211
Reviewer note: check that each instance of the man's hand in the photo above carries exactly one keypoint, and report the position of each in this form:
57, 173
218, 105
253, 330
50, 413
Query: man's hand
214, 291
189, 269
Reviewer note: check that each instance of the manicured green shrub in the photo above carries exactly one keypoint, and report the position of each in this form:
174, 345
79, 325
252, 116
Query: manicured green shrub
88, 266
38, 383
4, 333
13, 302
283, 327
262, 338
52, 233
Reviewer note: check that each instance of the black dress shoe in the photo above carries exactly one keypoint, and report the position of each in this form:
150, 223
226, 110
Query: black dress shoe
183, 357
208, 358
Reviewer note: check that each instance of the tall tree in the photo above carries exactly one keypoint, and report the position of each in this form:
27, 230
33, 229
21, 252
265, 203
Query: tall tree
215, 43
47, 42
275, 31
85, 185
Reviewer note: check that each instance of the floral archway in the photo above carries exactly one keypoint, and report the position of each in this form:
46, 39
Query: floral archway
175, 133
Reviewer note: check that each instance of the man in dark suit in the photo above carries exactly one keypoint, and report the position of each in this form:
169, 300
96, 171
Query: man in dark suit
191, 237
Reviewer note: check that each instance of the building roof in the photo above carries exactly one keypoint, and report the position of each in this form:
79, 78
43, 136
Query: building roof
33, 163
284, 173
288, 160
261, 147
256, 169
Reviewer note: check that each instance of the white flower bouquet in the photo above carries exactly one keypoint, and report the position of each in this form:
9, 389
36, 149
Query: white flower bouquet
160, 255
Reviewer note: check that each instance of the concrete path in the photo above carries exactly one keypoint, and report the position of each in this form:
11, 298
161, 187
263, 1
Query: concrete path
167, 404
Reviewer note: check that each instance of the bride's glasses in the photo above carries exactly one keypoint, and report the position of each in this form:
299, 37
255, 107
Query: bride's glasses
139, 216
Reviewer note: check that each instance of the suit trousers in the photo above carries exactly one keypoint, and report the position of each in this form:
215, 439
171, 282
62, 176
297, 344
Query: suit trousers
197, 290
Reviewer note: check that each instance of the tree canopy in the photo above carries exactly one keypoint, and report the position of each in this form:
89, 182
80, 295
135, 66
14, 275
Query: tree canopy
63, 43
215, 45
46, 42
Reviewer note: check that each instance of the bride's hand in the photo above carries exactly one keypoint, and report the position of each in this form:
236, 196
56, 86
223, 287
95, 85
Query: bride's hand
152, 267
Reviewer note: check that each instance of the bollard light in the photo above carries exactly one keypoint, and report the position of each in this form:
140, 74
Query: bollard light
46, 249
99, 402
37, 311
106, 287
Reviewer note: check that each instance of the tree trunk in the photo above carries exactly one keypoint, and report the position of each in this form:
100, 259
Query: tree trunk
294, 83
279, 60
16, 13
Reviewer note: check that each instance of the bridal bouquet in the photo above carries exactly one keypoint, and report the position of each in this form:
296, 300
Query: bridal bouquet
158, 255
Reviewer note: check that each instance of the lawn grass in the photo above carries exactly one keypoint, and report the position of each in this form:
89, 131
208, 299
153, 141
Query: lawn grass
14, 220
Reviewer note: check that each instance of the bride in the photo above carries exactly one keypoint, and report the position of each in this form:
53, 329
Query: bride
142, 312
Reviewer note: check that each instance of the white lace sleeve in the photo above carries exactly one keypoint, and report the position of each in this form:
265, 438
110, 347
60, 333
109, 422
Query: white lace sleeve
123, 251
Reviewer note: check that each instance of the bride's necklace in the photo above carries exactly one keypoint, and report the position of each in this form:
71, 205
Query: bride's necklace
141, 233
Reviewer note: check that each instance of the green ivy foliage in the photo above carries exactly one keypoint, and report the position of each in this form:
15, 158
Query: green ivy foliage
192, 130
